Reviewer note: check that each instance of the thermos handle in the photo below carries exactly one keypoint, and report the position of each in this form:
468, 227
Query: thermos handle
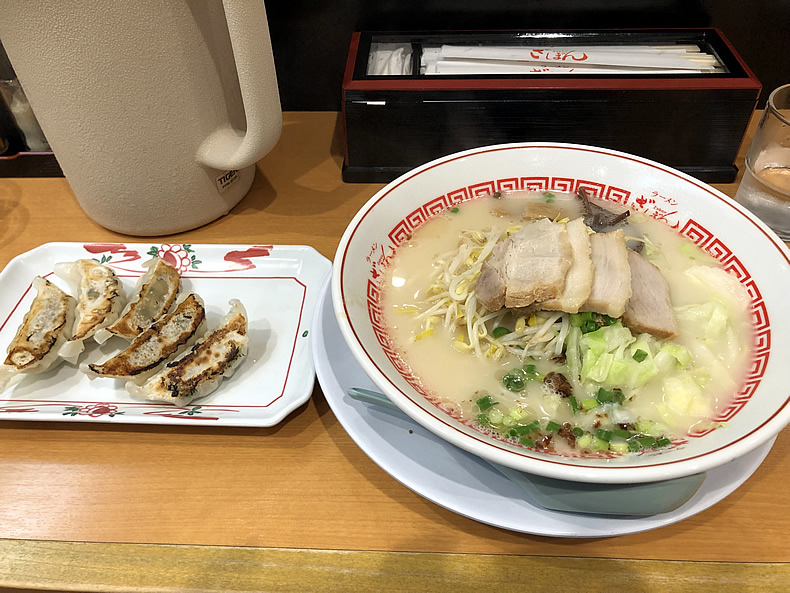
227, 148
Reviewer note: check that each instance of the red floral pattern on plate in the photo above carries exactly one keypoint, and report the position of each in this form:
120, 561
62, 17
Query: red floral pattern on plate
296, 266
181, 257
93, 410
106, 410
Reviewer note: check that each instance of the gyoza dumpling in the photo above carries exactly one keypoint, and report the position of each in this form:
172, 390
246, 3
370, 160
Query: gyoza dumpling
45, 328
99, 301
162, 341
199, 371
155, 292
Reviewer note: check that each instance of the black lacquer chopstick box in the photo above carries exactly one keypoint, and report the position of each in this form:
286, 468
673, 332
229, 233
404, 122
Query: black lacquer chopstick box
693, 121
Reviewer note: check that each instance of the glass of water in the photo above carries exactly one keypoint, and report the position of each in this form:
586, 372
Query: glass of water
765, 187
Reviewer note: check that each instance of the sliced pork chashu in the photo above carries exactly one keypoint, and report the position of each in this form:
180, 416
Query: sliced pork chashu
527, 267
536, 263
490, 286
611, 285
649, 310
578, 282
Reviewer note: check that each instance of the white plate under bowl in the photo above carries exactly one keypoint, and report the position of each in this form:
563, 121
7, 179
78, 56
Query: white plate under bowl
463, 483
742, 244
278, 284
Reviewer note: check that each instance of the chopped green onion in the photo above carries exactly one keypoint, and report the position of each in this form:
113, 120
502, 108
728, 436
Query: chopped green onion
621, 433
527, 428
604, 435
619, 447
486, 402
552, 426
500, 331
590, 322
495, 416
634, 446
604, 396
549, 197
514, 381
527, 442
589, 404
577, 319
600, 444
647, 442
585, 441
577, 431
664, 442
454, 210
574, 404
640, 355
482, 419
589, 326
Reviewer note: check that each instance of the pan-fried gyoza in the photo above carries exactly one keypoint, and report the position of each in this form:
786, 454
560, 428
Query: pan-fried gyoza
200, 370
152, 297
45, 328
100, 300
162, 341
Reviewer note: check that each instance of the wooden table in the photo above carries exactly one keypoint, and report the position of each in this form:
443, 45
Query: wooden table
299, 507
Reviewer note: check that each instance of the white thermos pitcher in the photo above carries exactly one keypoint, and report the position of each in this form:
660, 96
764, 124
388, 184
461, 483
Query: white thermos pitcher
157, 110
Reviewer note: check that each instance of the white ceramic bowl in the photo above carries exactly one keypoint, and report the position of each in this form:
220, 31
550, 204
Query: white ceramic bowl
746, 248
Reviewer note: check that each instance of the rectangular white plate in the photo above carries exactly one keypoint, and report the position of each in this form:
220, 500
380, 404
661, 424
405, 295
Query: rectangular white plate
279, 286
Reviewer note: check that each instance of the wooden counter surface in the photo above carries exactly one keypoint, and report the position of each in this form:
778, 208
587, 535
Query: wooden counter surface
299, 507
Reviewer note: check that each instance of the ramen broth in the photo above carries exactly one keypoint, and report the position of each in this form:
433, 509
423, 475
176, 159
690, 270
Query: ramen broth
677, 401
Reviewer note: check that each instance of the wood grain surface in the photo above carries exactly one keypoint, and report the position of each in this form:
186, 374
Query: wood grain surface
136, 567
302, 485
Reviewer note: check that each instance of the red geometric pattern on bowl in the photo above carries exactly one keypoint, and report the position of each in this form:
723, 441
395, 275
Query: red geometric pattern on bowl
482, 189
437, 205
382, 336
692, 230
505, 185
761, 346
458, 196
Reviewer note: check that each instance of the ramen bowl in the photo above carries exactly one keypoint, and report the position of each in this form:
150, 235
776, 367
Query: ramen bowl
744, 246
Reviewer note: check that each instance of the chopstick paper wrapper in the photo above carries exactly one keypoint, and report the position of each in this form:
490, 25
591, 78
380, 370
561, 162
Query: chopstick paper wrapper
618, 60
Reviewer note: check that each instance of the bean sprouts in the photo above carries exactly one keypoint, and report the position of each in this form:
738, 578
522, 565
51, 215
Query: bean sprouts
451, 301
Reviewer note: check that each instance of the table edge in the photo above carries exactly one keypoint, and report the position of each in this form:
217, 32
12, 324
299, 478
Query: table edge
39, 565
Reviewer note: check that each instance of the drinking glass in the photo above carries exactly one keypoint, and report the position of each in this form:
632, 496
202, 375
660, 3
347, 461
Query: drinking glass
765, 187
